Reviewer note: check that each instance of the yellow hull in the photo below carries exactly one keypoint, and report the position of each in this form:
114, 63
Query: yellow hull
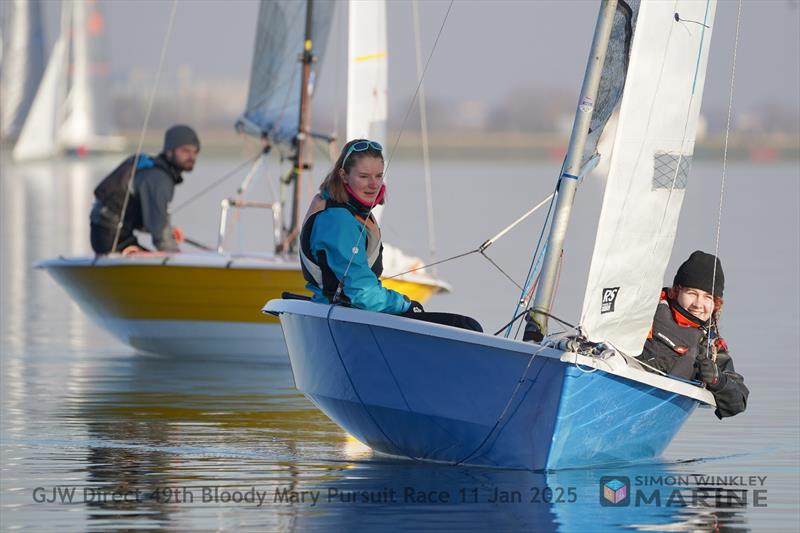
187, 292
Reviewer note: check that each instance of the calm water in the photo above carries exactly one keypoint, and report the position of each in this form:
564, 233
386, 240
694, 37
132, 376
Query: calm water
208, 444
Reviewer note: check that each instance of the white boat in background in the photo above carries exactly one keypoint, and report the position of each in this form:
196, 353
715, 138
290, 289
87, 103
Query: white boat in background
436, 393
71, 112
208, 303
22, 62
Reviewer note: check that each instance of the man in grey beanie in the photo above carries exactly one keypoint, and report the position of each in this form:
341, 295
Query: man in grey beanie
153, 188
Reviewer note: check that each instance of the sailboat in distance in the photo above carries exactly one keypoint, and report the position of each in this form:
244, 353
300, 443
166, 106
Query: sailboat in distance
22, 63
71, 112
431, 392
208, 303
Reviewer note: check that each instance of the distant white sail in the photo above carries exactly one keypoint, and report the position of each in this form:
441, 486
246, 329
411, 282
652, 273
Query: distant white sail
649, 170
367, 71
72, 109
88, 121
37, 139
23, 63
273, 101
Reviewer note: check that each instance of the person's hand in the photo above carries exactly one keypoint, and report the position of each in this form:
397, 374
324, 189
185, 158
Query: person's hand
177, 234
132, 249
710, 374
415, 307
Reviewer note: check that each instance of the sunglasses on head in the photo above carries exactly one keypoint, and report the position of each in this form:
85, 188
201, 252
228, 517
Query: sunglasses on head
361, 146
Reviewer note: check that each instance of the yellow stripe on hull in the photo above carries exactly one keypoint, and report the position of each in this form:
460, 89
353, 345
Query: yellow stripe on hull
171, 292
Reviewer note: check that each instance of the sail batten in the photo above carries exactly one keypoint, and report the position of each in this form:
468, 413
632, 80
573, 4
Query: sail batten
649, 171
273, 101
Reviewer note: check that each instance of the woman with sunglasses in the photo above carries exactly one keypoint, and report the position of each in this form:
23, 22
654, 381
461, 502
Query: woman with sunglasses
340, 243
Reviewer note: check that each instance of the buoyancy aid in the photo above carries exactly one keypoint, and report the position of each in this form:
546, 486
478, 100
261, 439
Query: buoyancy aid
110, 193
316, 269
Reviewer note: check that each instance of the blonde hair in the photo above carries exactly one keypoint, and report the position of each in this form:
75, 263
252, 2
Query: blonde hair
333, 184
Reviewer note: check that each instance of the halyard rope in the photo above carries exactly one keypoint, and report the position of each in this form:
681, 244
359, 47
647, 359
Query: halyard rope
724, 169
146, 121
423, 126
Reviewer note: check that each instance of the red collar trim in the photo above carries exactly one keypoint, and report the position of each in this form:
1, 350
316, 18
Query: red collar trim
682, 320
367, 203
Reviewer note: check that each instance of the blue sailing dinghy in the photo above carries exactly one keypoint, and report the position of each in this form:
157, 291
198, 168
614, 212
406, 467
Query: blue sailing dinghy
435, 393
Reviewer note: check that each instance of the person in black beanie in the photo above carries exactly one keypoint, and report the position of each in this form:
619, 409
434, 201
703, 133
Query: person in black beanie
684, 340
154, 184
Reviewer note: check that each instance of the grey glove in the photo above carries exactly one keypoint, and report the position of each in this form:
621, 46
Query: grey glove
711, 375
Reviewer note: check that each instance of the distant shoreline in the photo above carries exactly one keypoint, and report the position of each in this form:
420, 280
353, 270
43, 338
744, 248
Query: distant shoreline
491, 145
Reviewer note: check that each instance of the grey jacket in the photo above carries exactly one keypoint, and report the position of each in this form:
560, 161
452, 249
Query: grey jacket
148, 206
153, 189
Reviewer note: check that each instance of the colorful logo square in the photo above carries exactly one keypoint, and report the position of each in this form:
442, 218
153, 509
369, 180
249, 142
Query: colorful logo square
614, 491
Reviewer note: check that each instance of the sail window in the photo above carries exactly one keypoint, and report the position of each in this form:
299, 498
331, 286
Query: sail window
671, 171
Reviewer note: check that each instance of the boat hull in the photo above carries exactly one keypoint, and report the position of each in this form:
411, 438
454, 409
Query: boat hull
187, 305
431, 392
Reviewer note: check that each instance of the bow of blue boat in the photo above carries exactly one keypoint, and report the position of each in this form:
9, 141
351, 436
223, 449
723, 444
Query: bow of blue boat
432, 392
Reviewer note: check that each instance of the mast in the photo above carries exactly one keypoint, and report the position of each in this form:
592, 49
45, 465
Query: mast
302, 160
568, 181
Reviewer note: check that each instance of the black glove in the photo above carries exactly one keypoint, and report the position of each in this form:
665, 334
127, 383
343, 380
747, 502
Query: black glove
711, 375
415, 307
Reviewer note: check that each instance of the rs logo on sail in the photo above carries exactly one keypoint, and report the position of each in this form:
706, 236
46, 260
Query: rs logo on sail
609, 299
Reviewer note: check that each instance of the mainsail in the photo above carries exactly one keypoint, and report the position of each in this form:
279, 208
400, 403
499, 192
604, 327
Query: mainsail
367, 71
39, 133
273, 101
23, 63
649, 169
367, 80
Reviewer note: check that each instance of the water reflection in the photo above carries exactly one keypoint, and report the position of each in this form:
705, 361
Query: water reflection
208, 437
79, 409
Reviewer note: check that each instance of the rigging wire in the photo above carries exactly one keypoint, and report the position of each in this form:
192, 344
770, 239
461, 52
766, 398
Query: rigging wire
423, 125
480, 249
226, 176
159, 69
534, 262
725, 163
419, 84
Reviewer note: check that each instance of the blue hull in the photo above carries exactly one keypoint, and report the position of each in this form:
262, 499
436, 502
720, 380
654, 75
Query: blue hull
440, 398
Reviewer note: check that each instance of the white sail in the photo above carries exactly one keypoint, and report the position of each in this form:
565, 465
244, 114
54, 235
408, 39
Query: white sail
648, 172
23, 64
38, 136
367, 71
72, 110
76, 129
88, 123
367, 74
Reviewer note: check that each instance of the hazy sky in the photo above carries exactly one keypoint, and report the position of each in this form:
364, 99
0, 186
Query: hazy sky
487, 49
